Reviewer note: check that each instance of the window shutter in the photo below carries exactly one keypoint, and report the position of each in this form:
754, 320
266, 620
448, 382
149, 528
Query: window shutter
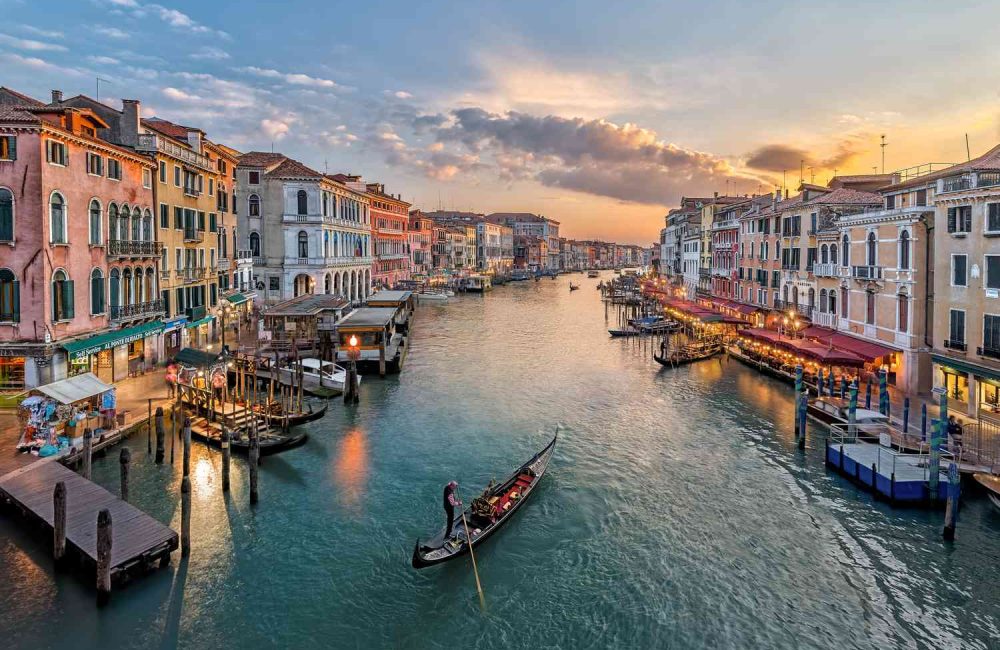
68, 299
13, 148
951, 219
16, 316
967, 221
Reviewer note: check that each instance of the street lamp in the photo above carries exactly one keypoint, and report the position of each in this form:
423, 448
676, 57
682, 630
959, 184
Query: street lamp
225, 312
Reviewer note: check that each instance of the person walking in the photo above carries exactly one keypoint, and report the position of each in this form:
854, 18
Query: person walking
451, 502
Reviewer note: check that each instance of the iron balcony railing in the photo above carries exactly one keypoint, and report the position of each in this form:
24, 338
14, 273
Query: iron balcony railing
152, 142
866, 272
802, 310
961, 346
193, 235
989, 353
956, 184
138, 310
130, 248
826, 270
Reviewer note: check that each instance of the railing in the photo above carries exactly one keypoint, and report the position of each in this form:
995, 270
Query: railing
866, 272
826, 270
223, 264
151, 142
244, 255
190, 274
826, 319
193, 235
961, 346
130, 248
191, 191
989, 353
138, 310
956, 183
987, 179
802, 310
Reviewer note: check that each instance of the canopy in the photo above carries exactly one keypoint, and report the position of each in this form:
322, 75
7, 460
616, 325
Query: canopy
814, 350
74, 389
237, 299
83, 348
865, 349
196, 358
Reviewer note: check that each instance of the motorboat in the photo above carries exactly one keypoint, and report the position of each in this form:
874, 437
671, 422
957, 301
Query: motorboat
316, 374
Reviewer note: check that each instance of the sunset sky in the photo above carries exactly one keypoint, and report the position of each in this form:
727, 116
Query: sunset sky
597, 114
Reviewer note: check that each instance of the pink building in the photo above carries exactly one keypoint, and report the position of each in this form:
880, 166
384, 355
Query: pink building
67, 202
421, 243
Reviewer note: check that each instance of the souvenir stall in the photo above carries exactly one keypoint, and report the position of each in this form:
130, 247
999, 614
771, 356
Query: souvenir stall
53, 417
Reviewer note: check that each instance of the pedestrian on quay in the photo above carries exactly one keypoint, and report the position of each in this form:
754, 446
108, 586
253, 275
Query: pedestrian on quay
955, 431
171, 379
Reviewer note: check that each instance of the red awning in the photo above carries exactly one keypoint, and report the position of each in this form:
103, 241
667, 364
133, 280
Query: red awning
815, 350
865, 349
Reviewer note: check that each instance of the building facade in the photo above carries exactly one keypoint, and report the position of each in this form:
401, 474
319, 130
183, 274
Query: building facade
390, 217
422, 238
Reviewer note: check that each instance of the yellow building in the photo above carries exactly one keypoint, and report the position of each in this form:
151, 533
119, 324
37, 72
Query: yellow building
192, 193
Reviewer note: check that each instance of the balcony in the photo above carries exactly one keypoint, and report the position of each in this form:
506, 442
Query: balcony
152, 143
968, 181
802, 310
960, 346
826, 319
989, 353
223, 264
826, 270
134, 249
191, 191
191, 274
866, 272
193, 235
244, 255
123, 313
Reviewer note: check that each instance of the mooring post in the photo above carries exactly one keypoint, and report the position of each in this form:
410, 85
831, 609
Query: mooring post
226, 457
951, 510
124, 459
923, 422
938, 436
149, 425
819, 382
906, 414
88, 448
253, 460
59, 522
160, 435
173, 427
103, 556
187, 447
868, 394
186, 516
803, 418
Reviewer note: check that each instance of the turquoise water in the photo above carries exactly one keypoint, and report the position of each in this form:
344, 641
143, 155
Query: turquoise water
676, 513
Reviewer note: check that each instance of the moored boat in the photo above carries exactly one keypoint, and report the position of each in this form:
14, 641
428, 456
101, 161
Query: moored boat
624, 331
593, 274
573, 287
687, 354
316, 374
992, 484
486, 514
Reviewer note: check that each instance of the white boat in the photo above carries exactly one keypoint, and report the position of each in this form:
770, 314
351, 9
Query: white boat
433, 296
317, 374
593, 274
992, 484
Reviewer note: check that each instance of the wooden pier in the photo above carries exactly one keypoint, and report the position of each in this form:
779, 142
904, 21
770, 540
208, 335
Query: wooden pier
139, 542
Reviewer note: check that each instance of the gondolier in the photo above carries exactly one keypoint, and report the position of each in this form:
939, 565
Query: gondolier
450, 502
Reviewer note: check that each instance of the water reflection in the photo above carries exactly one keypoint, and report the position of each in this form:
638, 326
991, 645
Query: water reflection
350, 470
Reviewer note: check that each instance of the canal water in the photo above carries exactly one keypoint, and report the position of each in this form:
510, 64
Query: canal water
676, 513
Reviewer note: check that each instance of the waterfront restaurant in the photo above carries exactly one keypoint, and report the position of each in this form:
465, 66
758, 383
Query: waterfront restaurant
402, 301
377, 344
779, 354
311, 316
699, 321
114, 355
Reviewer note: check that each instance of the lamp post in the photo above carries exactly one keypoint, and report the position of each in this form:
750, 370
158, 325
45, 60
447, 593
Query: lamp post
225, 312
351, 381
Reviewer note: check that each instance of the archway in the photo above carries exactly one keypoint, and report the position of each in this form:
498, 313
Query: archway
302, 285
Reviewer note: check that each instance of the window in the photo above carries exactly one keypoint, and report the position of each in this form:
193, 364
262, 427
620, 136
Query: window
6, 215
62, 297
95, 164
57, 219
833, 254
96, 292
921, 197
147, 225
960, 219
115, 171
991, 334
274, 283
95, 222
211, 187
177, 176
178, 218
303, 202
843, 304
164, 215
992, 264
10, 297
254, 244
993, 218
959, 266
253, 205
163, 172
824, 254
903, 311
871, 249
822, 300
956, 327
890, 202
212, 225
8, 147
303, 244
253, 178
833, 302
904, 251
55, 152
136, 225
870, 307
164, 260
147, 178
201, 220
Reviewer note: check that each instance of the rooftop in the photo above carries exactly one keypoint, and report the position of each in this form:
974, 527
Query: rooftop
390, 296
367, 317
308, 304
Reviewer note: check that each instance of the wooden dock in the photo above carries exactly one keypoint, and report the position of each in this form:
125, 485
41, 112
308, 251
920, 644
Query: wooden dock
139, 541
899, 477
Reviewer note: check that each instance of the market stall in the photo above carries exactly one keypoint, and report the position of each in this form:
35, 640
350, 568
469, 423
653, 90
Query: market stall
54, 416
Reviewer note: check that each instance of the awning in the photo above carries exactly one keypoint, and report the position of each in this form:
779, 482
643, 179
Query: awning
966, 366
83, 348
74, 389
197, 358
866, 349
200, 321
237, 298
815, 350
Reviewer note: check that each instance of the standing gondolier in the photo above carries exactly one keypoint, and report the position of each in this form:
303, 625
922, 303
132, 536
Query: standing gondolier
450, 503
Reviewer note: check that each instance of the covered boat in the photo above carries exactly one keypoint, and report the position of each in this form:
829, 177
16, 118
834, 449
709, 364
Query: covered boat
486, 514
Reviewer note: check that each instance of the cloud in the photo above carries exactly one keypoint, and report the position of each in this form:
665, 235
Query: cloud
209, 54
179, 95
172, 17
293, 78
103, 60
110, 32
30, 45
44, 33
402, 94
785, 157
274, 129
35, 63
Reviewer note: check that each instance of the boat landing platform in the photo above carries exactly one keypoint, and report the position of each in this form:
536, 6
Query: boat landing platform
898, 477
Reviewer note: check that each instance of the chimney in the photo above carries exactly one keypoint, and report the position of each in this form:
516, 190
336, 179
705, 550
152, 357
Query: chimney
194, 139
716, 195
786, 193
57, 97
128, 130
774, 199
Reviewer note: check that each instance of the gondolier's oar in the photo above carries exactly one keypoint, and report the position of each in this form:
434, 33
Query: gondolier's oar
475, 570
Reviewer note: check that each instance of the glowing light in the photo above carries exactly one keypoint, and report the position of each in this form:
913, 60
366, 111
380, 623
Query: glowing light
353, 342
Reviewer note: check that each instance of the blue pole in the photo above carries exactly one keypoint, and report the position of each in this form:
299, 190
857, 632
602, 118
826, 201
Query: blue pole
906, 414
832, 385
843, 386
798, 379
852, 409
951, 511
819, 383
938, 437
923, 422
803, 418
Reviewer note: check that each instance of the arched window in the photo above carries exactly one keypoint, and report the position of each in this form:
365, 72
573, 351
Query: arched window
327, 284
904, 252
6, 215
870, 307
253, 205
95, 222
149, 287
147, 226
784, 292
903, 309
137, 296
112, 222
127, 287
255, 244
822, 300
123, 217
845, 253
136, 225
833, 254
114, 290
795, 296
62, 296
57, 221
872, 248
812, 298
96, 292
303, 244
10, 297
833, 302
843, 302
303, 202
824, 253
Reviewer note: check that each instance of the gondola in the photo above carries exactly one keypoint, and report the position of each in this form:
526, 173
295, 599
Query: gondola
298, 418
689, 354
573, 287
271, 442
992, 484
502, 501
624, 331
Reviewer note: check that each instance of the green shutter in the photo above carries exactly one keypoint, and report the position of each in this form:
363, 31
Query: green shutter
17, 302
13, 147
68, 298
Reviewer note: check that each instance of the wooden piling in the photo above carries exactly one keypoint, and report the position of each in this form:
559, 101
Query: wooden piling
951, 510
149, 425
186, 516
254, 461
160, 435
226, 457
803, 418
124, 459
187, 447
103, 556
59, 522
88, 450
173, 425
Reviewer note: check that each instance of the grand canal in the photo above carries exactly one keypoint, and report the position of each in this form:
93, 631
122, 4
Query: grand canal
676, 513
